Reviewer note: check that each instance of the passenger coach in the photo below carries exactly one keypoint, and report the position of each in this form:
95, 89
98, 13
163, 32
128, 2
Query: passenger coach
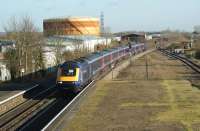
76, 74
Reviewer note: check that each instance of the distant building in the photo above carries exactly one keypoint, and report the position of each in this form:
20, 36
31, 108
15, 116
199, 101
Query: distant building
72, 26
70, 43
134, 37
197, 29
148, 37
4, 71
5, 45
116, 38
179, 51
196, 36
181, 47
156, 36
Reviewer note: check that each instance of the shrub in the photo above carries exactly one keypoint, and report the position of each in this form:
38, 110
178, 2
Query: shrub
173, 46
197, 54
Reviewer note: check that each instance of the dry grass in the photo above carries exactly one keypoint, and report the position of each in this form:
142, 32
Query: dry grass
184, 103
85, 114
167, 101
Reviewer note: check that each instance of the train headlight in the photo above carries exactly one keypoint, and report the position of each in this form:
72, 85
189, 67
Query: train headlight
60, 82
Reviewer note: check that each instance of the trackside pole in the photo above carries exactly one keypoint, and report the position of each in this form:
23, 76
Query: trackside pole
112, 74
147, 73
112, 68
130, 51
130, 55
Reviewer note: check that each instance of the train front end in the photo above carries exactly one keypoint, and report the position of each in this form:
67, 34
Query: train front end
68, 76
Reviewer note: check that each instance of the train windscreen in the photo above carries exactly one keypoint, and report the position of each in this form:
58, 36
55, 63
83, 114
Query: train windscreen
68, 72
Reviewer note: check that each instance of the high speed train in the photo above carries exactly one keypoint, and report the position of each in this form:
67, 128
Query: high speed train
76, 74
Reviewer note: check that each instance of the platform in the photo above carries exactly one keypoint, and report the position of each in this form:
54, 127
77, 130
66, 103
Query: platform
9, 89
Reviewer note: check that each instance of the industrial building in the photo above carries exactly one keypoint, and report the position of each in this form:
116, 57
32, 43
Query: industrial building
71, 32
72, 26
136, 37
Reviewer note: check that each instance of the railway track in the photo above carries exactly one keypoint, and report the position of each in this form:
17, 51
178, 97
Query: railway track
52, 125
58, 109
14, 118
16, 100
185, 60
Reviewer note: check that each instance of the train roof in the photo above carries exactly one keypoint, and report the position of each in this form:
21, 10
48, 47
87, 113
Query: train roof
96, 55
104, 52
78, 62
93, 56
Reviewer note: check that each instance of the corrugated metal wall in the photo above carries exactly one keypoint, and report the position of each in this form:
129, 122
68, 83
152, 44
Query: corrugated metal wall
77, 26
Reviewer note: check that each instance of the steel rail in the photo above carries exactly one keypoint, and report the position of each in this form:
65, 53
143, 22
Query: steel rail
185, 60
68, 107
14, 118
15, 100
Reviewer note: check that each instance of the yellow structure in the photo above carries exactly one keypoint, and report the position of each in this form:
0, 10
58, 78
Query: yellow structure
72, 26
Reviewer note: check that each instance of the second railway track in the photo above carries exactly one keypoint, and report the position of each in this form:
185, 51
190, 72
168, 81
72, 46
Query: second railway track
185, 60
14, 118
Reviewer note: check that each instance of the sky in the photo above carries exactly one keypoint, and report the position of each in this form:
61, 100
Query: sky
119, 15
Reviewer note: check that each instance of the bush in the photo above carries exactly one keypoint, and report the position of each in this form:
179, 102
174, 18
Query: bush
188, 55
197, 54
173, 46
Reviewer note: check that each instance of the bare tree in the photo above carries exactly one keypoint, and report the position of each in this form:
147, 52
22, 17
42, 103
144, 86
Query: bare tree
12, 58
28, 40
58, 44
38, 58
80, 49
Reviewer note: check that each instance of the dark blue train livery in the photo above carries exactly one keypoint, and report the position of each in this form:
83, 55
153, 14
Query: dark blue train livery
76, 74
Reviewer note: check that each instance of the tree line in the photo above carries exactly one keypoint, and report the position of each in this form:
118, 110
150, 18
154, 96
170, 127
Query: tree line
28, 55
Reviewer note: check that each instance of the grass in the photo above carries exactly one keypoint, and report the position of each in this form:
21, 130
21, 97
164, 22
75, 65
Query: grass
183, 100
85, 113
182, 103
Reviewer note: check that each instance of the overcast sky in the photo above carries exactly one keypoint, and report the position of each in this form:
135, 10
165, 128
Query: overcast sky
120, 15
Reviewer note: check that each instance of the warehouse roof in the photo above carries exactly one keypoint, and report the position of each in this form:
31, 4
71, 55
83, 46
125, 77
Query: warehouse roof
130, 33
72, 19
75, 37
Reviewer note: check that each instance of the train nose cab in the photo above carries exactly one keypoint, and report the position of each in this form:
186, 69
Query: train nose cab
68, 77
